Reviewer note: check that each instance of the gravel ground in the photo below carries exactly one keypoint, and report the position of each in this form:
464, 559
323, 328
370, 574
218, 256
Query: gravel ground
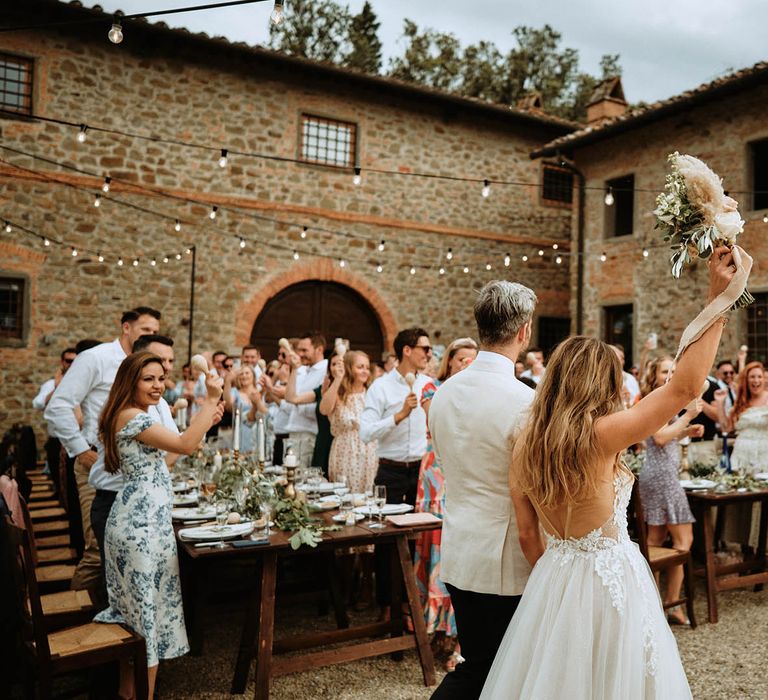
728, 660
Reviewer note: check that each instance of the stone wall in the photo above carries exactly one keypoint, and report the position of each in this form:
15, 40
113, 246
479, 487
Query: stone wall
183, 88
719, 134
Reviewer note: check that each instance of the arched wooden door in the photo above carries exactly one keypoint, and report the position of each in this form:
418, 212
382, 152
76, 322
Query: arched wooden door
334, 309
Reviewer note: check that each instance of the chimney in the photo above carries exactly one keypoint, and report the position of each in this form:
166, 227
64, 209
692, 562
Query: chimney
607, 102
531, 102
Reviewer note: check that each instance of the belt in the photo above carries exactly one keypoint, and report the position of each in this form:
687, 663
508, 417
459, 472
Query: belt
281, 435
404, 465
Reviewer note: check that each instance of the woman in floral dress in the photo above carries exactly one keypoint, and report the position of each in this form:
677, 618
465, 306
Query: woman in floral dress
140, 559
430, 498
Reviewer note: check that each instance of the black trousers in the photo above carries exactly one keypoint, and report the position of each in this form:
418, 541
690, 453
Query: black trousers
52, 459
401, 483
481, 621
102, 504
75, 519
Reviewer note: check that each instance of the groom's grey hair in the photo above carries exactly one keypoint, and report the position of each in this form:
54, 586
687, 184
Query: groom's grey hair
501, 310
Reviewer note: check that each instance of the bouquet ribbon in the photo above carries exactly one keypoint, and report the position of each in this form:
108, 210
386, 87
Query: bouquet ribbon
722, 303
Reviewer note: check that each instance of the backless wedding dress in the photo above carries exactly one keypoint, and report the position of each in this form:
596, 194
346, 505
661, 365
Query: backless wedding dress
590, 624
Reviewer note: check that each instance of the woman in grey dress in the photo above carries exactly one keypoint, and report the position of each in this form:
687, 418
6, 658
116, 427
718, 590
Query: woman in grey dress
140, 560
664, 501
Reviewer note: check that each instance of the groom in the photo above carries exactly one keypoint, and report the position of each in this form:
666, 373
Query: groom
472, 419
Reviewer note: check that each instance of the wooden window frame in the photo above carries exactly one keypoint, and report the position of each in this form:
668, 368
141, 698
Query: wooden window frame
27, 95
618, 190
352, 160
758, 202
17, 338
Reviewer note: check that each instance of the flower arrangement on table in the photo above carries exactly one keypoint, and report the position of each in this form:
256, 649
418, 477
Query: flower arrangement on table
696, 216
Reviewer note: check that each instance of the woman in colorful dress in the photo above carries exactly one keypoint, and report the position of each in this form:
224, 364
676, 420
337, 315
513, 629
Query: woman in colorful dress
430, 498
140, 559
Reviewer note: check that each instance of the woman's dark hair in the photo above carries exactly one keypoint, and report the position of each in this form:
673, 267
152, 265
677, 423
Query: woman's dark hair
121, 396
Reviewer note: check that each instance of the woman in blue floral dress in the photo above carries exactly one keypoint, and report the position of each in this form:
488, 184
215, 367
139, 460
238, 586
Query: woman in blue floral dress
140, 559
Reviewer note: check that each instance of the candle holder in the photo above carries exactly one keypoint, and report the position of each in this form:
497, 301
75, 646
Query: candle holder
290, 487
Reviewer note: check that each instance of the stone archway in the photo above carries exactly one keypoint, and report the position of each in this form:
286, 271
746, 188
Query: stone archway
322, 270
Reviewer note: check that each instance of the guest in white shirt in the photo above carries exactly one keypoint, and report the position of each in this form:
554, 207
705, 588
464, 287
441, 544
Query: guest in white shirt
274, 382
308, 369
251, 356
534, 361
472, 420
52, 444
394, 416
87, 384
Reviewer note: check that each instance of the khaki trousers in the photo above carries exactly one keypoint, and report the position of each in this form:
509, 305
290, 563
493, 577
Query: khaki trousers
88, 571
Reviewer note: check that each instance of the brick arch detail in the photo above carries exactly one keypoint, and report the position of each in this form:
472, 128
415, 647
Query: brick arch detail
324, 270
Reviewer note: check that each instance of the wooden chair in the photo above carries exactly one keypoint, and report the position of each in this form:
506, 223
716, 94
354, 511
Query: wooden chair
663, 558
72, 649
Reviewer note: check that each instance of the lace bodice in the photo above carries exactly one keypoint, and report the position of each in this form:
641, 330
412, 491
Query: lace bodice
753, 423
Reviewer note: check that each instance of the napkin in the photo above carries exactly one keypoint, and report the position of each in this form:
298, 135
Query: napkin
413, 519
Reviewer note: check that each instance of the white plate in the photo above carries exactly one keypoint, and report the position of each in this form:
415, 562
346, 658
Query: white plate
326, 487
697, 484
193, 514
342, 517
332, 498
185, 499
274, 470
762, 476
388, 509
209, 533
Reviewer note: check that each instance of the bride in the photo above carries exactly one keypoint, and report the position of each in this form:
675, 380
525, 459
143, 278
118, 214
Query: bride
590, 623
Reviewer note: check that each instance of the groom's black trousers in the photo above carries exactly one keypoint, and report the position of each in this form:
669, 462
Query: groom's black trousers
481, 621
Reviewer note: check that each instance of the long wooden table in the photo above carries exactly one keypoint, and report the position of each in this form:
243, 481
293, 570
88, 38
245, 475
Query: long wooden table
703, 503
257, 638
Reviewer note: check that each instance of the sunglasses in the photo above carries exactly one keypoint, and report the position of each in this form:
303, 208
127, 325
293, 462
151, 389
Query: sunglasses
728, 373
228, 366
68, 360
426, 348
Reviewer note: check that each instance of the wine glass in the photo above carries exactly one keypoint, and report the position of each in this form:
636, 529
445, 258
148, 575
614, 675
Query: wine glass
266, 508
380, 499
222, 513
369, 503
340, 487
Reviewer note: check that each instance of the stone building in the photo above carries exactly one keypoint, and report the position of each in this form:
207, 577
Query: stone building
295, 243
617, 291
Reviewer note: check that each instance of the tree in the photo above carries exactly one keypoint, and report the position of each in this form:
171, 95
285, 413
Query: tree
430, 58
315, 29
365, 52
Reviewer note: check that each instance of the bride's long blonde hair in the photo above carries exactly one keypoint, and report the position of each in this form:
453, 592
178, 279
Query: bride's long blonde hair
557, 446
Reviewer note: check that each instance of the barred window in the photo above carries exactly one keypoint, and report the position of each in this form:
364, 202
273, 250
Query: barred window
15, 84
557, 185
327, 141
11, 307
757, 328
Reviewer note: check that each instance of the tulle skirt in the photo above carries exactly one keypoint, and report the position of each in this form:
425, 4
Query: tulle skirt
590, 625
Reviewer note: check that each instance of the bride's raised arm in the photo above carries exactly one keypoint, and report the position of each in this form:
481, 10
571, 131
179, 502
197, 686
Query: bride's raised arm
619, 430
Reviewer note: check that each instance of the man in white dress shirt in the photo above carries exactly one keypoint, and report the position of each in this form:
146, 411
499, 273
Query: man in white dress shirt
394, 417
87, 384
473, 418
308, 369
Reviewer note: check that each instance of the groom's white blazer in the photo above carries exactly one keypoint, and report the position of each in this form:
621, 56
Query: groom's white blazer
472, 419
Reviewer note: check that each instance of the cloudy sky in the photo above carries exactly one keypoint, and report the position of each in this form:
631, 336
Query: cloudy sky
666, 46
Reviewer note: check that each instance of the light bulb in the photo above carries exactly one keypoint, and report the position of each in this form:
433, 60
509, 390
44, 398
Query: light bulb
466, 269
381, 247
212, 215
188, 251
442, 270
242, 243
379, 267
342, 263
303, 232
358, 178
645, 252
558, 260
97, 201
296, 255
135, 262
165, 258
765, 218
223, 159
46, 242
101, 258
449, 255
74, 252
178, 256
507, 260
488, 266
116, 33
486, 188
525, 258
555, 246
82, 136
609, 198
8, 227
153, 262
105, 186
177, 225
278, 13
541, 253
119, 262
603, 257
413, 270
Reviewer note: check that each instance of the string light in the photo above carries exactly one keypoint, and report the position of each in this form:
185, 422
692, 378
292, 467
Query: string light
177, 225
541, 253
46, 242
525, 258
115, 34
379, 268
242, 243
609, 200
603, 257
223, 158
101, 258
555, 246
105, 186
119, 262
165, 259
212, 215
381, 247
645, 252
358, 178
486, 189
449, 254
303, 233
442, 270
8, 227
178, 256
188, 251
295, 254
507, 260
82, 136
342, 263
74, 252
558, 260
278, 13
135, 262
153, 262
765, 218
466, 269
97, 201
488, 267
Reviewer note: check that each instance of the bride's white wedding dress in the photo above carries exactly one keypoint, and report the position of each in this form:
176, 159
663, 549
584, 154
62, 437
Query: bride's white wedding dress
590, 623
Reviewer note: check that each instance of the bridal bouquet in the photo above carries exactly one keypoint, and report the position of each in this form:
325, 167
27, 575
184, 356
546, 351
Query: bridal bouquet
696, 216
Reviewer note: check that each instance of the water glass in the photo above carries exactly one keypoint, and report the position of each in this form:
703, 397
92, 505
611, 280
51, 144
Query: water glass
222, 513
380, 499
266, 509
